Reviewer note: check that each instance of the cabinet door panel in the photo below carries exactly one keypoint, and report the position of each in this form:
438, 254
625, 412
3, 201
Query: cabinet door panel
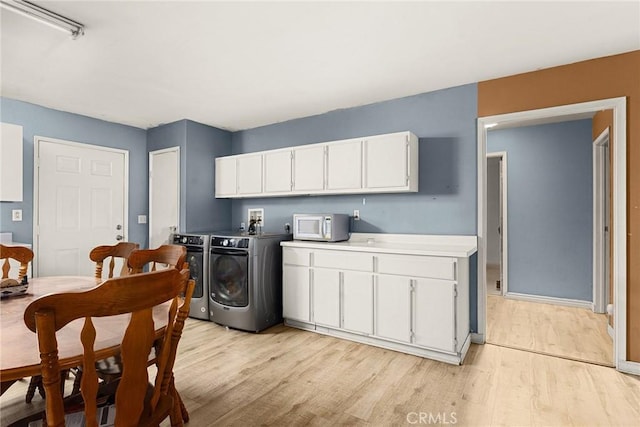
277, 171
308, 168
250, 174
344, 165
295, 293
386, 161
225, 176
393, 308
326, 297
357, 302
434, 314
418, 266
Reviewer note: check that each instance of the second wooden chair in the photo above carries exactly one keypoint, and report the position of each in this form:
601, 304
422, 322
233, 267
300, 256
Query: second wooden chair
121, 250
169, 255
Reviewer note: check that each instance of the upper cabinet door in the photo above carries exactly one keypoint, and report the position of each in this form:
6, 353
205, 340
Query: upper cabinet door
308, 168
250, 174
386, 159
277, 171
344, 165
10, 163
226, 173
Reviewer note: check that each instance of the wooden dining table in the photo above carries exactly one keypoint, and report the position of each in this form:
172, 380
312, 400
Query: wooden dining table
19, 355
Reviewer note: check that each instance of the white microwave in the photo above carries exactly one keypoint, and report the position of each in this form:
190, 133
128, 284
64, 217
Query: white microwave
321, 227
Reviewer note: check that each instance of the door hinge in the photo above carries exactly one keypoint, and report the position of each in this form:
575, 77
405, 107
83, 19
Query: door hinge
455, 343
455, 290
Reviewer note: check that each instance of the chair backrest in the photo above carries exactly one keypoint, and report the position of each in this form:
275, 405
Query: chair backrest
170, 255
136, 294
120, 250
19, 253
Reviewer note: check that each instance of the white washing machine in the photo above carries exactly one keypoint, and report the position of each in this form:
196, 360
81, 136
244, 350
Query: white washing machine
245, 280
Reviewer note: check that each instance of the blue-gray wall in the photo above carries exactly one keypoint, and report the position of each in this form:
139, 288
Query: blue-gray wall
41, 121
549, 208
199, 146
445, 123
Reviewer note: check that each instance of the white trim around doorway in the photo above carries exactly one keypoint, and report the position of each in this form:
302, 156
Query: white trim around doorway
618, 214
600, 145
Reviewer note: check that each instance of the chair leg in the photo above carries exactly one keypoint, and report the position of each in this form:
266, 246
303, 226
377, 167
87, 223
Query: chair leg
76, 382
179, 412
35, 383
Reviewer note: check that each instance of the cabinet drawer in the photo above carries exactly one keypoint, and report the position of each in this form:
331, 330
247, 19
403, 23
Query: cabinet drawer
418, 266
294, 256
341, 260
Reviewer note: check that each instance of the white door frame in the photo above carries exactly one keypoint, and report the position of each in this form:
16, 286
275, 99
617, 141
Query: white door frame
600, 145
504, 267
36, 190
151, 154
619, 209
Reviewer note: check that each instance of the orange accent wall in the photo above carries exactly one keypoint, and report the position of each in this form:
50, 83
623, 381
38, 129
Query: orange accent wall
601, 78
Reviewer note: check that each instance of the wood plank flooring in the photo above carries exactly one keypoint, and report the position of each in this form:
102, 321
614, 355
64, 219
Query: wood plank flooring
285, 376
571, 332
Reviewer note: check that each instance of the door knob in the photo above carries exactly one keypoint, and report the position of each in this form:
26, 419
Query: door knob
119, 237
118, 227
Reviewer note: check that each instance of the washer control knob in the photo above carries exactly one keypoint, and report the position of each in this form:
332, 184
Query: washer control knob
185, 239
225, 242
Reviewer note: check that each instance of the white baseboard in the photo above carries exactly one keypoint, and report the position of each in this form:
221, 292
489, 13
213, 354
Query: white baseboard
477, 338
628, 367
549, 300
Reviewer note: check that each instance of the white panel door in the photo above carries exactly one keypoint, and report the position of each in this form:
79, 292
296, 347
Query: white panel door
344, 165
326, 297
81, 204
393, 308
357, 302
308, 168
386, 161
434, 314
296, 294
164, 195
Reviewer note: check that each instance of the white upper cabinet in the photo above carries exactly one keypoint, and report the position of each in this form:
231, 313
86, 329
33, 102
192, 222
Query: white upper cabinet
377, 164
389, 162
226, 173
277, 171
308, 168
249, 174
11, 163
344, 165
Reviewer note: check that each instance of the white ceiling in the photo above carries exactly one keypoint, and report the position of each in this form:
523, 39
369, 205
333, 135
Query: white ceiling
239, 65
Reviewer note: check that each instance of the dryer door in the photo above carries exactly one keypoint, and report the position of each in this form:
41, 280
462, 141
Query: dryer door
228, 274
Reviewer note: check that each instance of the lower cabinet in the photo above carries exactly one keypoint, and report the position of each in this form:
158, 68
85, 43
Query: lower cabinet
357, 302
326, 297
296, 294
393, 308
416, 310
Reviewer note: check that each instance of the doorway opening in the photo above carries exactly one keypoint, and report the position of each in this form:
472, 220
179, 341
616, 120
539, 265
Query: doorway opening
618, 208
497, 259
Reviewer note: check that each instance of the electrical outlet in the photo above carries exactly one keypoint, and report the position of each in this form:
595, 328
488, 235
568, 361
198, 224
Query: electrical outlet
356, 214
16, 215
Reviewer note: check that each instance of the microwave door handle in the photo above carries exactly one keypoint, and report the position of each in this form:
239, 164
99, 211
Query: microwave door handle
324, 228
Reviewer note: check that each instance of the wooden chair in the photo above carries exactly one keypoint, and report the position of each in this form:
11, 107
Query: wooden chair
121, 250
24, 256
170, 255
19, 253
137, 401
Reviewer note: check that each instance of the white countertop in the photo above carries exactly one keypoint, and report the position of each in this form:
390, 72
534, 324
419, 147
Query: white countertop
406, 244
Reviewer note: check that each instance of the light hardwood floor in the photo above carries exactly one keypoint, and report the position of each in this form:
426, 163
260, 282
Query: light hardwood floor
284, 376
571, 332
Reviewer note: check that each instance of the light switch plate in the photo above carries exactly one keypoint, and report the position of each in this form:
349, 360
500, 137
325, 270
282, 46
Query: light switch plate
142, 219
16, 215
